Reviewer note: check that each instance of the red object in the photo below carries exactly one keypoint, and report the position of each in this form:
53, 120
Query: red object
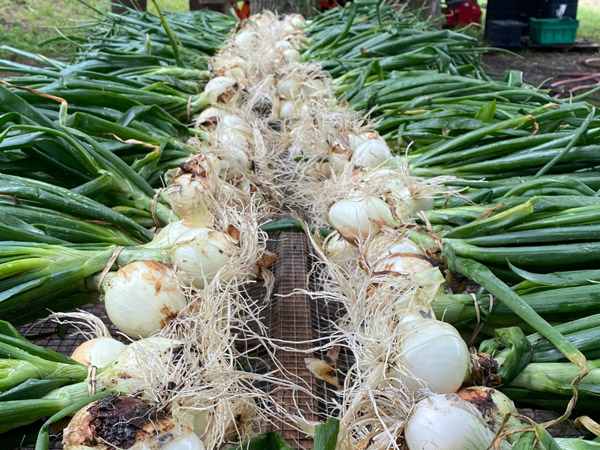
328, 4
242, 12
462, 13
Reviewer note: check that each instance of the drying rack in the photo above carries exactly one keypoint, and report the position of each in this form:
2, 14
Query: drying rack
292, 317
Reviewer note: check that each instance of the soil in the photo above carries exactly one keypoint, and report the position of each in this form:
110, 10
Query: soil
544, 68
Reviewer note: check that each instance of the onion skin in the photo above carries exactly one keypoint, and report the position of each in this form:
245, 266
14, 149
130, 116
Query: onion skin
143, 297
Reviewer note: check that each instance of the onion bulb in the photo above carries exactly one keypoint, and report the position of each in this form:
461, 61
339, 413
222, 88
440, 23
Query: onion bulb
247, 40
338, 249
357, 139
199, 254
98, 352
433, 356
403, 263
287, 110
191, 199
371, 153
127, 422
209, 118
221, 90
493, 406
142, 297
292, 55
359, 216
289, 89
446, 422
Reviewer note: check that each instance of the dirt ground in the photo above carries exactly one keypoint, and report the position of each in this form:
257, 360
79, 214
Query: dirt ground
538, 67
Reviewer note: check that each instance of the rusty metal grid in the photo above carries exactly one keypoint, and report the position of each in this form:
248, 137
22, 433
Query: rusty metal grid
290, 322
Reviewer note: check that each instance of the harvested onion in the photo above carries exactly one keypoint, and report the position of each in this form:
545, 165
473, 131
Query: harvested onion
142, 297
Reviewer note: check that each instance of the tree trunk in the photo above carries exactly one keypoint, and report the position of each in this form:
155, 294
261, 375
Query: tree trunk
429, 9
118, 5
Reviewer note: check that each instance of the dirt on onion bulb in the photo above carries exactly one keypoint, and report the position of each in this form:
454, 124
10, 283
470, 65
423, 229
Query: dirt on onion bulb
127, 423
142, 297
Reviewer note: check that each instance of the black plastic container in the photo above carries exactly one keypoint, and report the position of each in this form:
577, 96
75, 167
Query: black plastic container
504, 33
502, 10
546, 9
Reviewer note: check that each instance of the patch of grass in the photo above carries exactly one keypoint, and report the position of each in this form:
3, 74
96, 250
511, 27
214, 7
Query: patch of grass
24, 24
589, 23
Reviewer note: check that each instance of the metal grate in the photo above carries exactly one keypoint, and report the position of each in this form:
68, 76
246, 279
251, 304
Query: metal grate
291, 322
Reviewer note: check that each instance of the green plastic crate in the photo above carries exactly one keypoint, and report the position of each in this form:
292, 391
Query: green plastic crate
553, 31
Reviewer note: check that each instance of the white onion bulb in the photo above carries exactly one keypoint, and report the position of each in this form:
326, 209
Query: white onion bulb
190, 199
297, 21
337, 162
446, 422
221, 90
371, 153
287, 110
408, 264
283, 45
338, 249
415, 201
433, 356
247, 40
292, 55
142, 297
98, 352
359, 216
289, 89
199, 254
209, 118
355, 139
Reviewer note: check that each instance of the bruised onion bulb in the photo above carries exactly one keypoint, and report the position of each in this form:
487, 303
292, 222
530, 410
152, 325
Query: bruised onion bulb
98, 352
127, 422
221, 90
359, 216
209, 118
433, 356
446, 422
371, 153
142, 297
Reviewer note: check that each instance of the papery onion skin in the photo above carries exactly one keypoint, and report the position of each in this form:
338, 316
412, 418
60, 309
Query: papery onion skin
143, 297
446, 422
